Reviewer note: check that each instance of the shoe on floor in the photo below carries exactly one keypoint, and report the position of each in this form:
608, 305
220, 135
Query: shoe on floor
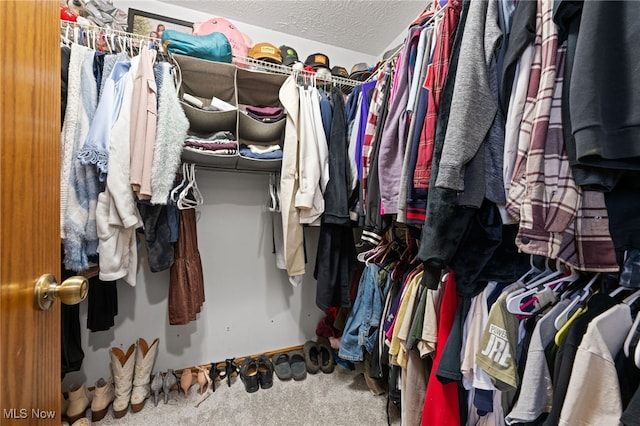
325, 355
79, 400
298, 366
282, 366
102, 397
312, 357
265, 372
249, 374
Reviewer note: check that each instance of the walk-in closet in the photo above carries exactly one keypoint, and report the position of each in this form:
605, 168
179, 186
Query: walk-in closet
320, 213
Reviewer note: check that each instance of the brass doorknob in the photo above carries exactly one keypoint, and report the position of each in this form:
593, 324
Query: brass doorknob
72, 291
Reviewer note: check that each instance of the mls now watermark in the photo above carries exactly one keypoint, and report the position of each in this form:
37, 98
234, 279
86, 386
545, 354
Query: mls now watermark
23, 413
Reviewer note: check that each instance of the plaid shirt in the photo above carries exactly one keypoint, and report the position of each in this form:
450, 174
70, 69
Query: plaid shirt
542, 196
586, 243
557, 219
434, 82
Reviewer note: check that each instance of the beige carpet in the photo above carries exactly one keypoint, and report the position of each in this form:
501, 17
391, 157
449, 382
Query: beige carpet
337, 399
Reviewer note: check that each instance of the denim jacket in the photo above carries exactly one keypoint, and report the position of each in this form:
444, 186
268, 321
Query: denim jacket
361, 328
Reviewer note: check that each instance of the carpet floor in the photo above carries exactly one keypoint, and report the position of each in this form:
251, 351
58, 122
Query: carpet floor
340, 398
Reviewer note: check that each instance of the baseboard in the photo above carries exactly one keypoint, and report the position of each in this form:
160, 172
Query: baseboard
238, 360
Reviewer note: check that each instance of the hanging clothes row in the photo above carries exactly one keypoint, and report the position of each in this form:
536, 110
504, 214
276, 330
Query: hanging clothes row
484, 138
122, 139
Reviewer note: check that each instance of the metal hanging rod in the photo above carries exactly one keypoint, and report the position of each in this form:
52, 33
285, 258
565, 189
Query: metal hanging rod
77, 33
430, 21
73, 29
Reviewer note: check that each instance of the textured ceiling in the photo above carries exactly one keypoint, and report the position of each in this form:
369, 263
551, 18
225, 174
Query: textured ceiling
360, 25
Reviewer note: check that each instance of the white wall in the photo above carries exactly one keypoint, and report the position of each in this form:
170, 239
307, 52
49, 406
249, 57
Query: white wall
250, 305
304, 47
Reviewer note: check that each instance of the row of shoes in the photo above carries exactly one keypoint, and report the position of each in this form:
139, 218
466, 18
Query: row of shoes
315, 357
132, 383
129, 384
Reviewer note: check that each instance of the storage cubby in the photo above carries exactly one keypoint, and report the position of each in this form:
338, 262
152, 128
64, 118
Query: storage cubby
241, 88
204, 80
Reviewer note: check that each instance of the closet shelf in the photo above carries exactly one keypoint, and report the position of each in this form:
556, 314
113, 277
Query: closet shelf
101, 37
258, 65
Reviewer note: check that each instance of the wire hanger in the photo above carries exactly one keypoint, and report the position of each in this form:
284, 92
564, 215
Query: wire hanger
274, 197
184, 202
175, 192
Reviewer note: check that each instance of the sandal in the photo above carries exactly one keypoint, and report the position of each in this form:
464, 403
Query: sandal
282, 366
298, 366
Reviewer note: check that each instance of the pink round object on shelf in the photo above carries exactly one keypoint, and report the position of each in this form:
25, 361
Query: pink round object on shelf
239, 41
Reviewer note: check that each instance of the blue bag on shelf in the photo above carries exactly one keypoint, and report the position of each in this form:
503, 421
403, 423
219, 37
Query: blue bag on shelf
212, 47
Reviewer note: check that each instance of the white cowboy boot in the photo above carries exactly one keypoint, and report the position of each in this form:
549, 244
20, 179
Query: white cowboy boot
122, 370
145, 358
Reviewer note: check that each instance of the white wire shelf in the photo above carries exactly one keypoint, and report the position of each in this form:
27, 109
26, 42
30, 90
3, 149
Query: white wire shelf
94, 37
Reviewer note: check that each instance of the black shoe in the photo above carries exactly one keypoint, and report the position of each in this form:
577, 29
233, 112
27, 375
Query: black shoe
265, 372
249, 374
230, 368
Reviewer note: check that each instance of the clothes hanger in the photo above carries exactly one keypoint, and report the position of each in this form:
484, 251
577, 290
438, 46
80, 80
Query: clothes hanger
564, 329
277, 189
532, 299
627, 342
272, 204
368, 256
94, 40
537, 290
77, 35
184, 202
636, 357
113, 42
533, 271
64, 39
548, 274
576, 298
106, 40
616, 291
380, 249
632, 297
175, 192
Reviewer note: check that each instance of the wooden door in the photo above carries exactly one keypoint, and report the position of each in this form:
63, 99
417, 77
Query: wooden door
30, 371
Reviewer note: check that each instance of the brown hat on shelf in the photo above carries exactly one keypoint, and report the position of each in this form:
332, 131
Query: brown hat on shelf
360, 71
318, 60
339, 71
266, 52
